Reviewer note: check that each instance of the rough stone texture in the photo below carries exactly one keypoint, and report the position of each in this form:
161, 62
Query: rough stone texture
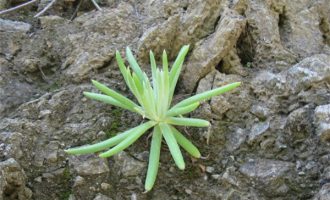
269, 175
13, 181
213, 49
101, 197
128, 166
324, 193
322, 122
90, 166
269, 138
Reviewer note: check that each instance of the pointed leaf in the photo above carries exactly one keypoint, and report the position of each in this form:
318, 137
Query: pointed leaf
107, 99
101, 145
207, 95
185, 143
183, 121
172, 145
128, 140
134, 65
182, 110
176, 69
114, 94
153, 158
153, 68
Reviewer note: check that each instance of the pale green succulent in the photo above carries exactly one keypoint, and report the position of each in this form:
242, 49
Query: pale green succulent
155, 105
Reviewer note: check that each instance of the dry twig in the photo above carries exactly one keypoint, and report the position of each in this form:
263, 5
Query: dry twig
45, 9
17, 7
96, 5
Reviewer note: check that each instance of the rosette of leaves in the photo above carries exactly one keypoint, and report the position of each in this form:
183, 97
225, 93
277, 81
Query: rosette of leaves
154, 104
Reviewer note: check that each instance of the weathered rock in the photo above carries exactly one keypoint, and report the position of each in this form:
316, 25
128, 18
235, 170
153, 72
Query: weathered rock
101, 30
128, 166
258, 131
102, 197
260, 111
299, 123
11, 34
13, 181
89, 165
282, 63
324, 193
206, 56
269, 175
322, 122
236, 139
308, 72
11, 145
299, 26
198, 22
14, 26
158, 38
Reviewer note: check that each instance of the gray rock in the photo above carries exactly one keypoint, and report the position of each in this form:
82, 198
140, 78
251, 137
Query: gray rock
299, 123
207, 55
324, 193
156, 38
267, 83
322, 113
236, 139
260, 111
282, 63
258, 131
102, 197
11, 145
269, 175
197, 23
89, 165
101, 29
322, 122
14, 26
12, 181
309, 71
129, 166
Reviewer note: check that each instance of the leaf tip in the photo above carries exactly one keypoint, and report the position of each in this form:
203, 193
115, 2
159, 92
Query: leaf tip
182, 166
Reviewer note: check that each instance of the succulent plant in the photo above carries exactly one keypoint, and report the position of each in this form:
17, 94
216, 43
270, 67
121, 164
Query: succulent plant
154, 104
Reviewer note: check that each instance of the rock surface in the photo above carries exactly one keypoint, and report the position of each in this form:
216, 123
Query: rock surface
269, 138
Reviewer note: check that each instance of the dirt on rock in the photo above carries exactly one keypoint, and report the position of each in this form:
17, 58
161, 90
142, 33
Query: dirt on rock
269, 139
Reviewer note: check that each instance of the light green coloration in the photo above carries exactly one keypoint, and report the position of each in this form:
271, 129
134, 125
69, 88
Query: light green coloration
154, 100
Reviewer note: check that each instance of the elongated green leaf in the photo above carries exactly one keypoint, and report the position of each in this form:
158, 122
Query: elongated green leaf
172, 145
138, 84
148, 101
121, 65
178, 62
165, 62
182, 110
158, 90
185, 143
114, 94
107, 99
176, 69
101, 145
134, 65
127, 75
207, 95
153, 68
183, 121
128, 140
153, 158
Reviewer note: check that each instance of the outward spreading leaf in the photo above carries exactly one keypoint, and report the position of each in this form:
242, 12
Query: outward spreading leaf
154, 100
153, 158
172, 145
